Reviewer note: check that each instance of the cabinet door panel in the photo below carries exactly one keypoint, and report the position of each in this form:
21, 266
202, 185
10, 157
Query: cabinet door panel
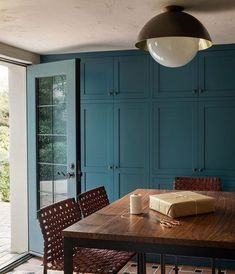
175, 82
163, 182
97, 143
174, 139
96, 179
131, 145
129, 182
131, 78
216, 73
217, 135
97, 78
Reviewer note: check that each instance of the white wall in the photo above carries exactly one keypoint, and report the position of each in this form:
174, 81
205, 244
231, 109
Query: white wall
18, 158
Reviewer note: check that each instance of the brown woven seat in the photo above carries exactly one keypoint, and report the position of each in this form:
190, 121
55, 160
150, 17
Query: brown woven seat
53, 219
197, 183
93, 200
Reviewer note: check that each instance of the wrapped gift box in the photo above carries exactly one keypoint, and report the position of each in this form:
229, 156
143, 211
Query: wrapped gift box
182, 203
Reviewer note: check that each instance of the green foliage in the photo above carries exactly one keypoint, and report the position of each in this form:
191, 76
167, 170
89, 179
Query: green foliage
4, 109
5, 182
4, 146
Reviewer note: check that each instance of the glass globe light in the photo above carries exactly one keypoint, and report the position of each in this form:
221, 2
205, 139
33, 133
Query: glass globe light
173, 51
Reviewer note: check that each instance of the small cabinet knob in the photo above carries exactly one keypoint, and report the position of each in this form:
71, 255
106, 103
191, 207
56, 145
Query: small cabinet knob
110, 93
110, 167
116, 93
200, 169
195, 91
115, 167
195, 170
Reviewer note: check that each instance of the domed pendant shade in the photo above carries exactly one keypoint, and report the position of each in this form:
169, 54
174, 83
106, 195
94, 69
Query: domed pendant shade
173, 38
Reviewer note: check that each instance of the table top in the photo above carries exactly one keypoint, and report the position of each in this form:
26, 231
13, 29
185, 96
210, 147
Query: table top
115, 223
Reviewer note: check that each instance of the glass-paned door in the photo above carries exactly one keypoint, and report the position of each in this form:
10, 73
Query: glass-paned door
52, 138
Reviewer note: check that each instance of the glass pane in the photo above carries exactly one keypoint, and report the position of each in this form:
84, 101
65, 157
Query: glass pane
52, 139
45, 88
46, 173
46, 185
59, 90
60, 183
60, 150
45, 120
59, 119
45, 149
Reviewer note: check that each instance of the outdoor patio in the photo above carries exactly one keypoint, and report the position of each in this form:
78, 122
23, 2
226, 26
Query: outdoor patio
5, 235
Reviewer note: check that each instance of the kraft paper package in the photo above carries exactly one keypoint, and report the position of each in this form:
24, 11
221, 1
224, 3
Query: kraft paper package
182, 203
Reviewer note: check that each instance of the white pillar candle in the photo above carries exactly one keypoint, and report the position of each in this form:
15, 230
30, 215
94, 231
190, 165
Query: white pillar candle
135, 204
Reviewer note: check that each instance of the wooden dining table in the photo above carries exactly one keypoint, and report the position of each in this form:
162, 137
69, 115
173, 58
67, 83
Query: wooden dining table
113, 227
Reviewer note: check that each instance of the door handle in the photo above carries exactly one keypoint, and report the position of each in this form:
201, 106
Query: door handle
67, 175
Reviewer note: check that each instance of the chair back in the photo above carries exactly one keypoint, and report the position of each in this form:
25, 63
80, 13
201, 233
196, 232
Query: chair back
197, 183
53, 219
93, 200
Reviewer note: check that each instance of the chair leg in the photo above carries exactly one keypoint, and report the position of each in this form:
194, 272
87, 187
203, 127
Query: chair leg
219, 267
176, 265
162, 262
44, 270
141, 258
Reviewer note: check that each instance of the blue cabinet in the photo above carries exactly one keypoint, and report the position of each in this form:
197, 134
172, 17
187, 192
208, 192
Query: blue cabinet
194, 138
143, 124
175, 82
217, 138
131, 76
174, 138
97, 146
114, 149
97, 78
112, 78
131, 147
216, 73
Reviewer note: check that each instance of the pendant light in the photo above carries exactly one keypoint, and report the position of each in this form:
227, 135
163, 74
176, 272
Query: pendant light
174, 37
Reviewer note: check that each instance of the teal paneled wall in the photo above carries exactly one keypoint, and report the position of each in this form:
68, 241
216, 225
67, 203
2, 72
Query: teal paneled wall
143, 124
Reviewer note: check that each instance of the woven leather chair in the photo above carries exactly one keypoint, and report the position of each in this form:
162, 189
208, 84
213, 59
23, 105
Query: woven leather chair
93, 200
53, 219
198, 184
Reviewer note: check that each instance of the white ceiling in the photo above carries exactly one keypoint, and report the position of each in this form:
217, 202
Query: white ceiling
60, 26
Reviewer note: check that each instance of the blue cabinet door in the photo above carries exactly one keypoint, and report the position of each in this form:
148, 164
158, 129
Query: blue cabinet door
51, 110
216, 73
174, 138
175, 82
131, 76
162, 181
131, 147
217, 138
97, 146
97, 78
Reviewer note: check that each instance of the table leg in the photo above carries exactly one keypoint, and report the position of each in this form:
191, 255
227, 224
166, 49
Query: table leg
162, 262
141, 258
68, 256
213, 266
